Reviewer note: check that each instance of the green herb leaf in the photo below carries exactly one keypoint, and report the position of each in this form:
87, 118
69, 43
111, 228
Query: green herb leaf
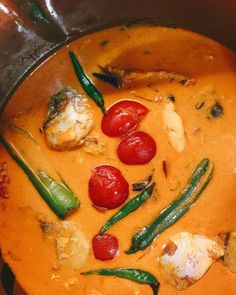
150, 22
104, 43
113, 80
217, 110
140, 185
7, 279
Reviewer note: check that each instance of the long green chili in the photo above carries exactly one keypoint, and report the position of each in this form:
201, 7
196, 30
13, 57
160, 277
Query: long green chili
57, 195
86, 83
201, 176
129, 207
133, 274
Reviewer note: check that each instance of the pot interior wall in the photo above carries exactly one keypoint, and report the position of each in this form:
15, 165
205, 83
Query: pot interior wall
30, 30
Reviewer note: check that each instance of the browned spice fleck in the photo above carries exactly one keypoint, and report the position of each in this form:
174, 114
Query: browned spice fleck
165, 168
92, 140
4, 181
170, 248
199, 105
187, 82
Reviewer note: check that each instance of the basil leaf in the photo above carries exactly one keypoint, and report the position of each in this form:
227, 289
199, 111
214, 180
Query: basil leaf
7, 279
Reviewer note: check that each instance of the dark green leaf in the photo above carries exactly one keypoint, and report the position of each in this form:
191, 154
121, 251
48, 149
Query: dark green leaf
140, 185
150, 22
104, 43
7, 279
171, 97
216, 110
113, 80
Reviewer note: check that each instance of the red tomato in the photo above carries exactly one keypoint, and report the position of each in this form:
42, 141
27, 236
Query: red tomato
137, 148
105, 247
107, 187
123, 116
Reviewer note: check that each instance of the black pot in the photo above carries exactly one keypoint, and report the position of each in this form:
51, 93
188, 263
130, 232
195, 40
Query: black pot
31, 29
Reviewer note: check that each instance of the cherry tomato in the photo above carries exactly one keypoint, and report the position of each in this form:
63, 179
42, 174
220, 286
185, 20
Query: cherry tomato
123, 116
107, 187
137, 148
105, 247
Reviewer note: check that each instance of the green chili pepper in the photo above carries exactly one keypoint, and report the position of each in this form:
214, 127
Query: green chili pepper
57, 195
133, 274
188, 196
61, 199
129, 207
87, 84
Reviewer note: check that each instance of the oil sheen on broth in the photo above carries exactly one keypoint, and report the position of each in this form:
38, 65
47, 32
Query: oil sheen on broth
173, 73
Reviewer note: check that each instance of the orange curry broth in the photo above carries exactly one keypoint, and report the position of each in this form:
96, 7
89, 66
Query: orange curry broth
30, 255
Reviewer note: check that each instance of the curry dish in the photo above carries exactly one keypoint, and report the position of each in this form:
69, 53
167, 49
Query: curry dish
118, 167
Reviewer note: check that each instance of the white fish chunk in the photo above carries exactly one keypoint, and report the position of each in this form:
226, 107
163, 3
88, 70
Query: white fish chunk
229, 240
70, 119
72, 246
174, 127
94, 145
187, 257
